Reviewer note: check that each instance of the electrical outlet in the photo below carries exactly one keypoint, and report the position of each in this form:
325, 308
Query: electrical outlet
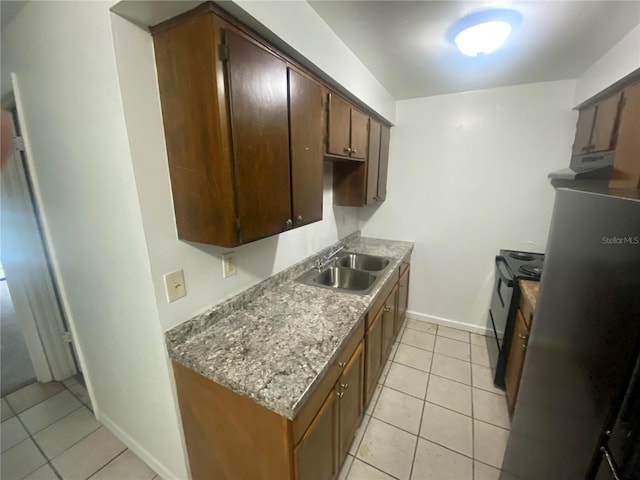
228, 265
174, 285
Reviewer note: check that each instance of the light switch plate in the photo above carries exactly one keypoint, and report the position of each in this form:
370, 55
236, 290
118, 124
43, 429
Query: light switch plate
228, 265
174, 285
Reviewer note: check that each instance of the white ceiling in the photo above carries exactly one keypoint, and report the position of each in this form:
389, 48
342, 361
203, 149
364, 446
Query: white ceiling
403, 42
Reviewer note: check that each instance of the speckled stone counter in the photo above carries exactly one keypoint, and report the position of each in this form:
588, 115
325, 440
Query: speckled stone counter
273, 342
529, 291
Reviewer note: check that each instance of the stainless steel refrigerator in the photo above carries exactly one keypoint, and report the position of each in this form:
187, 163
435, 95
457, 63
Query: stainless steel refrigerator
578, 410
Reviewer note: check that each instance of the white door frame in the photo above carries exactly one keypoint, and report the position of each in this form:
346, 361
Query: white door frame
27, 267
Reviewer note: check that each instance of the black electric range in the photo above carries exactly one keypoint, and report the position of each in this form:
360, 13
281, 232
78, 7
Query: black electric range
511, 267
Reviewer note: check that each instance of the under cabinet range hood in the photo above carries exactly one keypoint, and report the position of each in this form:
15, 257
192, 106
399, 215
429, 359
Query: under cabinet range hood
590, 166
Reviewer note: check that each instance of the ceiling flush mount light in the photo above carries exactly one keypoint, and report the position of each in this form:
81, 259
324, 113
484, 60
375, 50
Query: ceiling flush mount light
483, 32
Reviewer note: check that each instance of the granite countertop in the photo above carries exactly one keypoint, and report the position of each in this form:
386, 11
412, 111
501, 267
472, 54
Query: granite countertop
273, 342
529, 291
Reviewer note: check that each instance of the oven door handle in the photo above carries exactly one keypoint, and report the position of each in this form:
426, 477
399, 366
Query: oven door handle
501, 267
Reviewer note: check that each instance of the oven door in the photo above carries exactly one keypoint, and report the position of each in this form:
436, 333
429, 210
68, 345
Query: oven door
503, 289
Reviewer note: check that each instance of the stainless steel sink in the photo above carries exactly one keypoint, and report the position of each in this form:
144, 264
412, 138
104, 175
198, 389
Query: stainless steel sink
361, 261
350, 272
344, 278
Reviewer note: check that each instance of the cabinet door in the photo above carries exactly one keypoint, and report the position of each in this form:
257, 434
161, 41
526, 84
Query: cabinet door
626, 173
351, 399
385, 137
339, 126
602, 137
584, 128
389, 322
516, 360
373, 356
373, 161
260, 133
403, 298
305, 122
359, 134
316, 456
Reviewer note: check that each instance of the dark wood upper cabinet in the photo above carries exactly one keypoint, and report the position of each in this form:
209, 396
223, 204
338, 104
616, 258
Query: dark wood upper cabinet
373, 161
359, 134
244, 132
596, 127
356, 184
347, 129
306, 122
626, 172
385, 138
606, 122
339, 126
260, 132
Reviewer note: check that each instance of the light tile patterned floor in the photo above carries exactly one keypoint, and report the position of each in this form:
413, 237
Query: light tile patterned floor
435, 413
48, 431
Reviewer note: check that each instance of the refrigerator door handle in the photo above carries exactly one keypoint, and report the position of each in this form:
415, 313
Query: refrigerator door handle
612, 466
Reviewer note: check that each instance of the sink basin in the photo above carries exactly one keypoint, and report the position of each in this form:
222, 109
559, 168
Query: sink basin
355, 273
361, 261
344, 278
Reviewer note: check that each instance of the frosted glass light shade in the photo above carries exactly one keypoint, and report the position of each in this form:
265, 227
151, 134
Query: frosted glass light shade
483, 38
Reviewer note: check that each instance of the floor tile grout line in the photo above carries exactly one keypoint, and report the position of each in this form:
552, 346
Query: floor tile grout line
492, 425
33, 440
109, 462
55, 421
49, 461
373, 408
374, 467
447, 448
424, 403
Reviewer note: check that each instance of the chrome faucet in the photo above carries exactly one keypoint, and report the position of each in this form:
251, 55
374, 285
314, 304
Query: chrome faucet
326, 260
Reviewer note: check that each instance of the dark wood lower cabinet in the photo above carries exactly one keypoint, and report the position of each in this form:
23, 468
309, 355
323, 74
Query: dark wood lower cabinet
373, 352
316, 456
230, 436
389, 321
403, 298
516, 360
350, 392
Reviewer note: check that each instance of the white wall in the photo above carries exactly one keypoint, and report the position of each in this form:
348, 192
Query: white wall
64, 58
467, 177
617, 63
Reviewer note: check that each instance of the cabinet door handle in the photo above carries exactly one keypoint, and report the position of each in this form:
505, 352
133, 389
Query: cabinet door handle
342, 364
387, 308
288, 223
340, 394
523, 337
347, 150
524, 346
353, 151
299, 218
345, 386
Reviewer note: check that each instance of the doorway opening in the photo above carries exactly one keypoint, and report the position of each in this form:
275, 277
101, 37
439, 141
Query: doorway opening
32, 308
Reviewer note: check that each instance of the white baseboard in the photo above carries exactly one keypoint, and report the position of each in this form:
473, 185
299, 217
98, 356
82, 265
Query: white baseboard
445, 322
136, 448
